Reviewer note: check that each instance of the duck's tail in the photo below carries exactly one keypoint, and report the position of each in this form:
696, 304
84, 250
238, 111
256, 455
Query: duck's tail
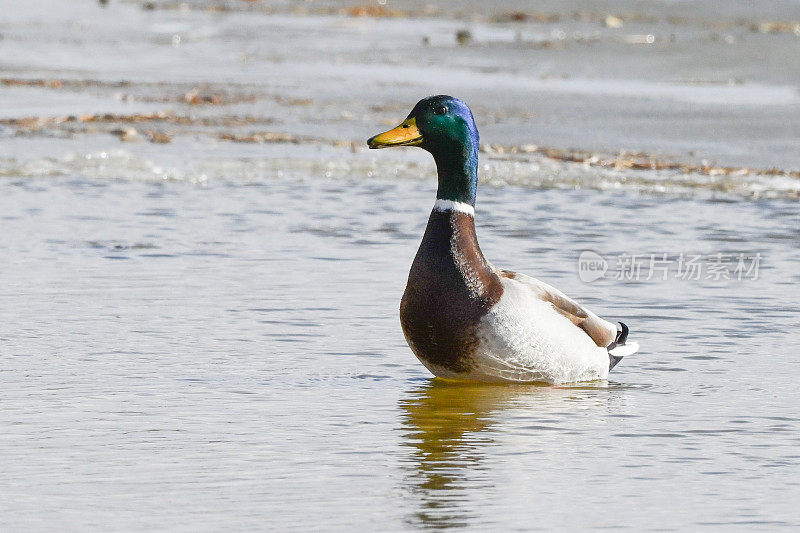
620, 347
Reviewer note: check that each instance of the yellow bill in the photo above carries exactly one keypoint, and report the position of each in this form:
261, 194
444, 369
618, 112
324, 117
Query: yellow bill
406, 134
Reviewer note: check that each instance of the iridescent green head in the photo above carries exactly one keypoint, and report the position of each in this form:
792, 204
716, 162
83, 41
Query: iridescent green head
443, 126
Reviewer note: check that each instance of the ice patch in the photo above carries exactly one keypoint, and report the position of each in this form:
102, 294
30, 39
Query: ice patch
535, 171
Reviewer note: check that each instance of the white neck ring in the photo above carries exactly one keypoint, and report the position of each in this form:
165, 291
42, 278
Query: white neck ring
450, 205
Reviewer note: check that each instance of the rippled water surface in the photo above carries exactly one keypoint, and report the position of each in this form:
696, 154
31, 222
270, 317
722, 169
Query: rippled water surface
200, 356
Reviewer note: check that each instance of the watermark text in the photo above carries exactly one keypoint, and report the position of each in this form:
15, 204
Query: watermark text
663, 266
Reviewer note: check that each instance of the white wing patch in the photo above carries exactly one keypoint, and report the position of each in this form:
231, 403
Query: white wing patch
601, 331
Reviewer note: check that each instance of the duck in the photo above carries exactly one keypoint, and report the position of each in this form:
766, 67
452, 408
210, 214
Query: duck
466, 319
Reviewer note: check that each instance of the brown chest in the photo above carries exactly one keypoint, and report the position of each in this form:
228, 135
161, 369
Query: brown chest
450, 288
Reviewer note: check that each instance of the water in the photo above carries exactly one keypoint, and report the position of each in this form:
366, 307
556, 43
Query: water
200, 356
204, 334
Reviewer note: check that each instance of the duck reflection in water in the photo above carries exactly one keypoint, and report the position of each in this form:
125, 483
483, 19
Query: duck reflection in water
450, 429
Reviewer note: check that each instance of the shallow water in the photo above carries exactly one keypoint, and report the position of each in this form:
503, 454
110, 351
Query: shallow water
204, 334
196, 356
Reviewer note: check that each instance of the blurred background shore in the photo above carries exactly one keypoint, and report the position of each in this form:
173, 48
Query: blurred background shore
708, 96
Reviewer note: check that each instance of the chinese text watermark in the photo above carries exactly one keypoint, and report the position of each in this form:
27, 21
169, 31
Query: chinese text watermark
664, 266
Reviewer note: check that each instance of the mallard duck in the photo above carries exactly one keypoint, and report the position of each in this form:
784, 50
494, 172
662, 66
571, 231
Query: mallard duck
462, 317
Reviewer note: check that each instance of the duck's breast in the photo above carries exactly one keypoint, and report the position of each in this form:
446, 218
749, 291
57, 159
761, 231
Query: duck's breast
450, 288
440, 320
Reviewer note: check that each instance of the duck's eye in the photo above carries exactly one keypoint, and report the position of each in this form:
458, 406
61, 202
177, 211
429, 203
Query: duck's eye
441, 110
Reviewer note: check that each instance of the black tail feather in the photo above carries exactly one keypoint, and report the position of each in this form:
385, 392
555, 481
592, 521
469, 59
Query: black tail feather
622, 336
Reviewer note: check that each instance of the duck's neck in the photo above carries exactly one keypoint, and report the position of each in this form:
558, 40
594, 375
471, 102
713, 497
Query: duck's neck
450, 249
454, 210
458, 173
